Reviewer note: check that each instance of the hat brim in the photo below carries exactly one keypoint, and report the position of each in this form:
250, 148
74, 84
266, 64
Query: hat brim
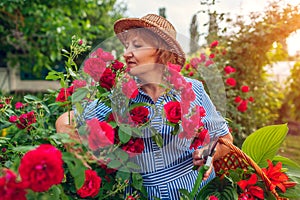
125, 24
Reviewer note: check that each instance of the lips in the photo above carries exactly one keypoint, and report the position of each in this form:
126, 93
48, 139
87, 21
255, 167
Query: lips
130, 63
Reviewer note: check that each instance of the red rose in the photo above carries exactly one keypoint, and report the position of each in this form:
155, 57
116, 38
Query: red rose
237, 99
117, 65
64, 93
245, 88
187, 93
101, 134
173, 111
94, 67
134, 146
231, 82
200, 139
19, 105
213, 198
251, 99
107, 79
13, 119
25, 120
42, 167
91, 184
130, 89
243, 106
103, 55
212, 55
79, 83
194, 62
139, 115
208, 62
10, 189
130, 198
214, 44
228, 69
174, 67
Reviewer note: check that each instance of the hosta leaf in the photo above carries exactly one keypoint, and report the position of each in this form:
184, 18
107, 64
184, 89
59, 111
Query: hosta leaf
264, 143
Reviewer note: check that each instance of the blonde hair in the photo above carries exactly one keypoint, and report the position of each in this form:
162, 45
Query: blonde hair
164, 55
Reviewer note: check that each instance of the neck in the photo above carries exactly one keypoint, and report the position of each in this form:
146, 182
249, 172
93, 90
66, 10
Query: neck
154, 90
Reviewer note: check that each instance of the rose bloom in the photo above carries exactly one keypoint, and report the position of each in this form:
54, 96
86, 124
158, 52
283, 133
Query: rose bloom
64, 93
117, 65
139, 115
41, 168
212, 55
134, 146
25, 120
174, 67
237, 99
209, 62
213, 198
107, 79
130, 89
214, 44
19, 105
130, 198
13, 119
200, 139
228, 70
243, 106
245, 88
91, 185
10, 189
195, 61
94, 67
231, 82
79, 83
173, 111
101, 134
187, 93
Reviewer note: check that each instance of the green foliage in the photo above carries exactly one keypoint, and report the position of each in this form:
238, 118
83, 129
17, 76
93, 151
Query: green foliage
32, 33
263, 144
291, 105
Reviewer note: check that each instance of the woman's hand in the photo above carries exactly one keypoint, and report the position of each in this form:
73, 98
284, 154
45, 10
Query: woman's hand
199, 161
221, 150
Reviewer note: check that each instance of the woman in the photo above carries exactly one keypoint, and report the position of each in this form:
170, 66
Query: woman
150, 44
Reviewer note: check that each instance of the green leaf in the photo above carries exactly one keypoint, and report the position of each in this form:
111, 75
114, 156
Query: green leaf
79, 94
124, 133
123, 175
121, 155
132, 165
137, 181
114, 164
264, 143
158, 140
185, 194
76, 167
286, 161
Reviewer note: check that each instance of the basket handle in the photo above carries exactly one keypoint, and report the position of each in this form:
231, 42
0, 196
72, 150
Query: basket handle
253, 164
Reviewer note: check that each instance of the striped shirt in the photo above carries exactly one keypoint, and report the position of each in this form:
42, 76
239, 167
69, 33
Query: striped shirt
167, 169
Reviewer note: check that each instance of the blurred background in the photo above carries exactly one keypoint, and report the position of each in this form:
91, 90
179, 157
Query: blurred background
261, 40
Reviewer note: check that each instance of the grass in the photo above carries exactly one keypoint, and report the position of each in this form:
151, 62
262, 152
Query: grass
291, 148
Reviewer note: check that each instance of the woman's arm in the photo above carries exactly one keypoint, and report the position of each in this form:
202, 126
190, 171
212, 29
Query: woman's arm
65, 124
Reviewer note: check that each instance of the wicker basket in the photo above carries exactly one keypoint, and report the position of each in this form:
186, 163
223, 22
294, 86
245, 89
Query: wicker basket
237, 158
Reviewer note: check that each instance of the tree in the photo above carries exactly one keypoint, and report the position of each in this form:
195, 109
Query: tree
194, 35
248, 53
33, 32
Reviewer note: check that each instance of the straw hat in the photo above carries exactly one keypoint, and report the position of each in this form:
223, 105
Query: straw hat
156, 24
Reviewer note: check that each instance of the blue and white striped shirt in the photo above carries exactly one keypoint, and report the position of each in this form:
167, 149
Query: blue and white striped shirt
166, 170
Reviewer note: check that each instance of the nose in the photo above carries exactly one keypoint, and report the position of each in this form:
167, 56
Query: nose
128, 53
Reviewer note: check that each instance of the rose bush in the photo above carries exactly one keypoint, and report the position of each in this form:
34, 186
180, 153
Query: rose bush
38, 163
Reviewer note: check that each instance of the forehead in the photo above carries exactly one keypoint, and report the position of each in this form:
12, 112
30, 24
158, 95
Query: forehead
141, 34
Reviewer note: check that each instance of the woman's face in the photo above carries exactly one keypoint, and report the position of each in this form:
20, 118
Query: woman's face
140, 55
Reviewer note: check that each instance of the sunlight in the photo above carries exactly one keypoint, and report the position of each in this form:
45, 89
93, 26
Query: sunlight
293, 43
